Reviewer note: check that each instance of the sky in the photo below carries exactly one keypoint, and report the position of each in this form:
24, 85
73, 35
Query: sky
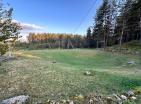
55, 16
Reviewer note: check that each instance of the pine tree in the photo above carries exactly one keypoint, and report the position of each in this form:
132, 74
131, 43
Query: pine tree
98, 26
89, 37
136, 12
128, 21
103, 23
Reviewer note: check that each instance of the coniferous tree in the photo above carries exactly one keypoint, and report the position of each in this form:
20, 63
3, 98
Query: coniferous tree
89, 37
117, 21
136, 18
98, 26
102, 26
128, 21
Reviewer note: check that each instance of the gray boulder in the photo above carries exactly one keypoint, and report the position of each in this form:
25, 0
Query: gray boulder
123, 97
131, 62
87, 73
130, 93
22, 99
133, 98
118, 99
71, 102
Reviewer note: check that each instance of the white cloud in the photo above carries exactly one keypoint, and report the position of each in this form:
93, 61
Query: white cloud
28, 26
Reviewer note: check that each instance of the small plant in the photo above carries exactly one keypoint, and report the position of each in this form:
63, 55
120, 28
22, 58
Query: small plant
3, 48
137, 90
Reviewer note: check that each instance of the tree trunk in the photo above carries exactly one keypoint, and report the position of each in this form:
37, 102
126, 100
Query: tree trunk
104, 41
140, 25
71, 44
121, 36
49, 44
97, 42
68, 45
59, 43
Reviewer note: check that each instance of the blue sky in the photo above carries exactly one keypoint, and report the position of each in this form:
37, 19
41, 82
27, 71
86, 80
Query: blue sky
57, 16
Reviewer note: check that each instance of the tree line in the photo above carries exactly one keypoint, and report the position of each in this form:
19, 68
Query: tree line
116, 22
54, 40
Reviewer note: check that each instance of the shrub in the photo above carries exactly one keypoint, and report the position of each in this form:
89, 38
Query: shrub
3, 48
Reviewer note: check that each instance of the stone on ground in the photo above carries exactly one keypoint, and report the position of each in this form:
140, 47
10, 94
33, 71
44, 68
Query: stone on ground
18, 99
133, 98
123, 97
87, 73
131, 62
130, 93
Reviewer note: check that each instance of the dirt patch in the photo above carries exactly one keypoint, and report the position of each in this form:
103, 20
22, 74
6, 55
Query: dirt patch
86, 53
26, 55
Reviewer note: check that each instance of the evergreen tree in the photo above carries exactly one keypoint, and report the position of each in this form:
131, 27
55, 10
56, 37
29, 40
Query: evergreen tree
128, 21
98, 26
117, 21
102, 23
136, 14
89, 37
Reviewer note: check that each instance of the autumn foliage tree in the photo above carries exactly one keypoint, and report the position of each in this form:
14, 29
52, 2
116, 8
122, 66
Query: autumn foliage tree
55, 40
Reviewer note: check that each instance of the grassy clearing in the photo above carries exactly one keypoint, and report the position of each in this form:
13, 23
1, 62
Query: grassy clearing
58, 74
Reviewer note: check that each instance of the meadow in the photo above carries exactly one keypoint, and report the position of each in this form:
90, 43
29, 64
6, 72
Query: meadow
59, 74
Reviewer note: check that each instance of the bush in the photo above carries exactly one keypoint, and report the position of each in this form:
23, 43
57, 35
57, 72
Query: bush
3, 48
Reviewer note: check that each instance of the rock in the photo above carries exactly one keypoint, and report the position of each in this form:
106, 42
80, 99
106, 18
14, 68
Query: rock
131, 62
99, 98
133, 98
109, 100
80, 97
53, 102
90, 101
123, 97
137, 52
63, 101
48, 101
57, 103
118, 100
71, 102
130, 93
18, 99
87, 73
95, 99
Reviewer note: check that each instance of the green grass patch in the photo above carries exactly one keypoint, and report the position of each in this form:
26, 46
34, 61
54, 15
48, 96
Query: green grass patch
58, 74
